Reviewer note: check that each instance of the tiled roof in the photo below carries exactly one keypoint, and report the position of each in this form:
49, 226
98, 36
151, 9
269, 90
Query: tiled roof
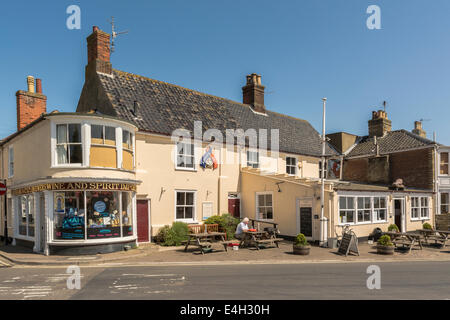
164, 107
393, 141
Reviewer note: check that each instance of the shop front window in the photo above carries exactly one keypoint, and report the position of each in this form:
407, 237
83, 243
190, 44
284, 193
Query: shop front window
25, 216
103, 214
127, 215
69, 215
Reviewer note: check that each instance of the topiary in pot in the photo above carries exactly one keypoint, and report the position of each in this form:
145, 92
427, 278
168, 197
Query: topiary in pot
427, 226
385, 245
301, 245
393, 228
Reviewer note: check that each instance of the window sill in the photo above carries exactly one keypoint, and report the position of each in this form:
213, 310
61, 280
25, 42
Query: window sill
419, 219
185, 169
188, 221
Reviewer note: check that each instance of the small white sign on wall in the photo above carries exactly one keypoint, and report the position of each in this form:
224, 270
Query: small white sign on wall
207, 210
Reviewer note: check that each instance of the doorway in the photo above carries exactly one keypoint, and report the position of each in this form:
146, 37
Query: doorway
234, 205
305, 221
143, 220
398, 213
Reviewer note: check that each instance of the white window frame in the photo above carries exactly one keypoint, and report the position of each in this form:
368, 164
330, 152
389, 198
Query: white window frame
11, 162
420, 208
81, 143
370, 209
17, 207
257, 206
444, 163
441, 204
373, 211
295, 166
194, 206
324, 171
252, 163
184, 155
104, 135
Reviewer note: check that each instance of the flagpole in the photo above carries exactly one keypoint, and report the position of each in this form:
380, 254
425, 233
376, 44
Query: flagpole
323, 235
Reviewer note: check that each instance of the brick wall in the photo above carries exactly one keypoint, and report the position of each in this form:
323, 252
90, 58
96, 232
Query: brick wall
414, 167
355, 170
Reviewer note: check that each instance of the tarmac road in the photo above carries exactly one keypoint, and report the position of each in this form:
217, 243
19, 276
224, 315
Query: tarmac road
406, 280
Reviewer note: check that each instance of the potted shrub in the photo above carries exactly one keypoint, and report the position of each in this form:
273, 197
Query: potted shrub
393, 228
427, 226
301, 245
385, 245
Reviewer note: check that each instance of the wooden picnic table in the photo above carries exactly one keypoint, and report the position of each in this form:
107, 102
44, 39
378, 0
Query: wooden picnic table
255, 238
204, 240
439, 236
406, 239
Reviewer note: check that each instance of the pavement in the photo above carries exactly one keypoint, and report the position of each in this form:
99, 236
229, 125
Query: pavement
154, 255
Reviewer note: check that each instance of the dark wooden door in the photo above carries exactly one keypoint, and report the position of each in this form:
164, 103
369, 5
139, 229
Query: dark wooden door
233, 207
306, 221
142, 221
398, 214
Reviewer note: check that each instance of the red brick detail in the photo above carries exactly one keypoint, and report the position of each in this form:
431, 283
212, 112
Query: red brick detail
355, 170
414, 167
99, 51
30, 106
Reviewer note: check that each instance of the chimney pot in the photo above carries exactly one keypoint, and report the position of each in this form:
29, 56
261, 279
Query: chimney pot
39, 86
30, 83
253, 93
380, 124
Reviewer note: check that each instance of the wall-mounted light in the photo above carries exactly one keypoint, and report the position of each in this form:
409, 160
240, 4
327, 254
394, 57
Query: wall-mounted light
278, 185
162, 191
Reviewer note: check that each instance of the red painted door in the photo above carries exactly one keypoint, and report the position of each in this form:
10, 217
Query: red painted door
142, 221
233, 207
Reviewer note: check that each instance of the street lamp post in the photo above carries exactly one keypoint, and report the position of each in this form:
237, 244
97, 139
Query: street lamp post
323, 225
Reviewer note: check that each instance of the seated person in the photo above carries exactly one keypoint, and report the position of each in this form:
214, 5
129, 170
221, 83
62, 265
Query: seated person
241, 228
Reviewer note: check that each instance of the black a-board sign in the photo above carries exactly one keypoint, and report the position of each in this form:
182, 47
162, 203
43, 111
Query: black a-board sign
349, 244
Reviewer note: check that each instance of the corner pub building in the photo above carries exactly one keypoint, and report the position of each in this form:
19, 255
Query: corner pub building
70, 178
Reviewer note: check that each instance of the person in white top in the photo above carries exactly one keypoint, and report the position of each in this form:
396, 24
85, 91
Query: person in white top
241, 228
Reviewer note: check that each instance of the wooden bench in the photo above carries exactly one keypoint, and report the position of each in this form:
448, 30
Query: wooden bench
273, 241
226, 243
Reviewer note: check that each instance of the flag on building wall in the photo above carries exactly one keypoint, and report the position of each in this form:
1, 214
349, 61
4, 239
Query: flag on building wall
208, 160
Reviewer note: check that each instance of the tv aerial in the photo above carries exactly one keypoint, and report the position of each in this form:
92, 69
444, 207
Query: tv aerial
114, 34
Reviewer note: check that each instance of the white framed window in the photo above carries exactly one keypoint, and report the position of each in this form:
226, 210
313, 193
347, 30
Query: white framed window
324, 171
420, 208
185, 205
253, 159
443, 163
264, 206
380, 208
25, 215
10, 162
69, 148
346, 209
364, 208
185, 156
291, 166
104, 135
444, 202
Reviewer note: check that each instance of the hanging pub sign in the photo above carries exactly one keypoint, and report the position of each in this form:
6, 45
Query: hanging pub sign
71, 186
208, 160
334, 169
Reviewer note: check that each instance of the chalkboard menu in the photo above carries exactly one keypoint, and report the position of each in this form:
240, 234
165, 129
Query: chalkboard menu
306, 221
349, 244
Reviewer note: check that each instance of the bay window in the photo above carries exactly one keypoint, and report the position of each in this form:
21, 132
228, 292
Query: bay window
68, 144
362, 209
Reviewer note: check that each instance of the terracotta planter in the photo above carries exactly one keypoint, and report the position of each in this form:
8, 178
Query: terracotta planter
301, 250
388, 250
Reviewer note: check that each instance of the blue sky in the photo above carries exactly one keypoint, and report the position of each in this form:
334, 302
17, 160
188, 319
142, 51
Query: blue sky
304, 50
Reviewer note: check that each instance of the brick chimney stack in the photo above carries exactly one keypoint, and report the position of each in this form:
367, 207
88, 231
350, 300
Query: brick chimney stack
98, 47
30, 104
418, 129
380, 124
253, 93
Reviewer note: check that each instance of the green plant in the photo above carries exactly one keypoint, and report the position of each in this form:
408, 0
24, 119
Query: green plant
162, 234
227, 223
175, 235
300, 240
385, 240
427, 226
393, 227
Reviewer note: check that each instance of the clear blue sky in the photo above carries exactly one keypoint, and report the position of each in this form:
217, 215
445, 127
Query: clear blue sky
304, 50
